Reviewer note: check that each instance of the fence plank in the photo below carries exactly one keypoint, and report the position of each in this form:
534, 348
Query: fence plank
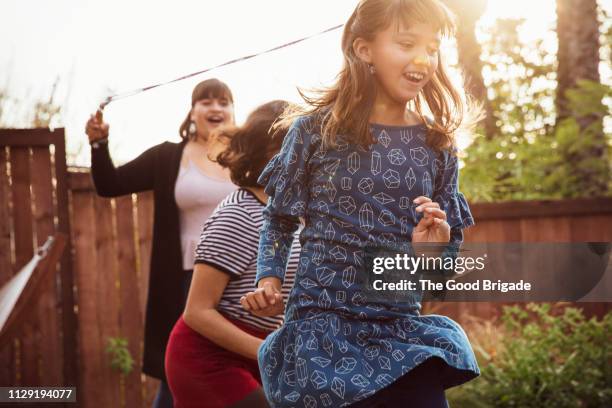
22, 209
24, 250
108, 295
50, 348
7, 357
541, 208
29, 137
67, 284
546, 229
596, 228
145, 239
131, 317
87, 275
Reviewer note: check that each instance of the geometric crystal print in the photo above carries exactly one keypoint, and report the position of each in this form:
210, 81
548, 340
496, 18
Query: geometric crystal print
348, 276
406, 136
376, 163
391, 179
396, 157
410, 178
318, 380
353, 163
366, 217
384, 138
365, 185
386, 218
346, 205
383, 198
346, 183
325, 275
345, 365
419, 156
427, 185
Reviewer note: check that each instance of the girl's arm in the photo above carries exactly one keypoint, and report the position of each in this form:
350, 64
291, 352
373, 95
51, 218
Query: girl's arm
201, 315
275, 240
451, 200
286, 182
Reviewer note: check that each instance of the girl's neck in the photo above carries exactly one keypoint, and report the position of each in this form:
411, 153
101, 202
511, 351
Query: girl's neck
259, 193
202, 140
389, 112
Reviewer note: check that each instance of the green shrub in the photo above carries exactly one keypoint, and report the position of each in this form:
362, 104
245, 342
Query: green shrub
545, 360
121, 359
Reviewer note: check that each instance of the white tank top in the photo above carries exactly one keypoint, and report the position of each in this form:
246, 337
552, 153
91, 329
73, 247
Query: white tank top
197, 195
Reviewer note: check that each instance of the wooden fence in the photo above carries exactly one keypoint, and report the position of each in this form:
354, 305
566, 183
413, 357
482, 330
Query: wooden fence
112, 243
107, 266
575, 220
34, 205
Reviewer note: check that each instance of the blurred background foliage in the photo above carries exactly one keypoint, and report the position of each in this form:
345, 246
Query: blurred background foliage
533, 152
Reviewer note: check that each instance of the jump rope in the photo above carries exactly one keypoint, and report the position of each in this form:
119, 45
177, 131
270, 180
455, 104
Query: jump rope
122, 95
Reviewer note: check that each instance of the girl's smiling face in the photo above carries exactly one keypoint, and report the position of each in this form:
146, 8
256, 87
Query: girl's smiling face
210, 113
404, 59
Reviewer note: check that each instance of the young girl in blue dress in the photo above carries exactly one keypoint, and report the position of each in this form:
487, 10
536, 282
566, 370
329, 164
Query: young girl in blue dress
362, 166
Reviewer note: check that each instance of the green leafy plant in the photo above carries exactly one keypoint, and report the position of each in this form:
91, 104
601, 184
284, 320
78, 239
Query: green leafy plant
121, 359
545, 359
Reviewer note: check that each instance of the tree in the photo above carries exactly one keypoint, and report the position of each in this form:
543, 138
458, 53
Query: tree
469, 51
578, 60
578, 53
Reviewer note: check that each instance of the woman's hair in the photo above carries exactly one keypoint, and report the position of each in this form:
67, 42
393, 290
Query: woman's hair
346, 106
252, 145
210, 88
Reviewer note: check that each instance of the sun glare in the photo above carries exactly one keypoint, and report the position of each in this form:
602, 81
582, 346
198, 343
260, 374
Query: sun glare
540, 15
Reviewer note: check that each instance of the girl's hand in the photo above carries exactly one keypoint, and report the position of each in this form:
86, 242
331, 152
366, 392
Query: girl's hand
267, 301
433, 226
95, 128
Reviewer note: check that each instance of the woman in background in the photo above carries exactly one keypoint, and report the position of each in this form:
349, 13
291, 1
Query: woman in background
186, 186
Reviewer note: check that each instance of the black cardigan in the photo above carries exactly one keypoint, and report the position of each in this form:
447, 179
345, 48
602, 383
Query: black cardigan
157, 170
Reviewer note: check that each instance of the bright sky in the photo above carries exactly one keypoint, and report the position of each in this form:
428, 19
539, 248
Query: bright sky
94, 47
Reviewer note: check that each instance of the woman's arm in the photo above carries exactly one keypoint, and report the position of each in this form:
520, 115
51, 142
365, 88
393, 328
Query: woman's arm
133, 177
201, 315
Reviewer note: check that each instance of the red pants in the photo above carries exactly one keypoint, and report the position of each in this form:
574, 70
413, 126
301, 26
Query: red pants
201, 372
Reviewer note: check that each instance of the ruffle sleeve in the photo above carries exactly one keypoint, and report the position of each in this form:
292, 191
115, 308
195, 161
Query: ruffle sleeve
285, 177
447, 194
285, 181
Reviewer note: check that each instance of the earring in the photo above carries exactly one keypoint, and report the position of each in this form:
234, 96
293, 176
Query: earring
192, 128
372, 69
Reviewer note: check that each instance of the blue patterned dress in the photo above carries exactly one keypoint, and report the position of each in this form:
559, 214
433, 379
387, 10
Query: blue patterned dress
335, 348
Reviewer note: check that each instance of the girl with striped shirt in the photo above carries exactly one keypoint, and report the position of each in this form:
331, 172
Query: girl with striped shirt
211, 359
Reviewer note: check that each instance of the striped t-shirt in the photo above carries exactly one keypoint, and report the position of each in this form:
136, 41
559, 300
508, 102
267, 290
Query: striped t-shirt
229, 243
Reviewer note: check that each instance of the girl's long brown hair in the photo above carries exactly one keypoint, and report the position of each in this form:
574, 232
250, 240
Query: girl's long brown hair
251, 146
346, 106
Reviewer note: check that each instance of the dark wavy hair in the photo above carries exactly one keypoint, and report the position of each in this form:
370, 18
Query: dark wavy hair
252, 145
209, 88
